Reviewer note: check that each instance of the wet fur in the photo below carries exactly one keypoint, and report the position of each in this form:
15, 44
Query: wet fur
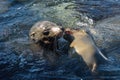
43, 34
84, 45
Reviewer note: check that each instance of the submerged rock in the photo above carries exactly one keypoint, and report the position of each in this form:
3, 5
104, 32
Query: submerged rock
106, 32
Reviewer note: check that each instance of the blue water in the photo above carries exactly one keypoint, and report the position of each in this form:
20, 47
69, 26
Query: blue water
16, 19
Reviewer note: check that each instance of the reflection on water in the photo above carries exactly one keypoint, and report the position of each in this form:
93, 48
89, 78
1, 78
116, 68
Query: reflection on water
22, 60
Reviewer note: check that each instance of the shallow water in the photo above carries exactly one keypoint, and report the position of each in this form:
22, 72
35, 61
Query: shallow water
21, 59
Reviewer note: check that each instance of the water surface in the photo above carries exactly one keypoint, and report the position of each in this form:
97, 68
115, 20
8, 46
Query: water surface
20, 59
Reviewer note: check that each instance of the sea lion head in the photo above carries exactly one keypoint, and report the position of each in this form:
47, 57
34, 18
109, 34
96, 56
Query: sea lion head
44, 31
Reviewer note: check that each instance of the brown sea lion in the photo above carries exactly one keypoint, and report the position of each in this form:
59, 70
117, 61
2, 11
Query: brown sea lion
84, 45
44, 31
47, 35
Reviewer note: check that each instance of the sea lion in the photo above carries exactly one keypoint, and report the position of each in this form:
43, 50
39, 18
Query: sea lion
84, 45
47, 35
44, 33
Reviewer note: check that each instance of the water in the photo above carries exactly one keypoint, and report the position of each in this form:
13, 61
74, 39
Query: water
20, 59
